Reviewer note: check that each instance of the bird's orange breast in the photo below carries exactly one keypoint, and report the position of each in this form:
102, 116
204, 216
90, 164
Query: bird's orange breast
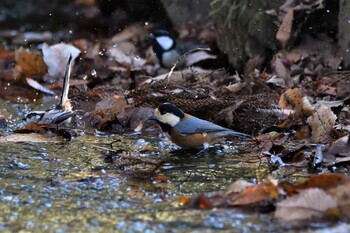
189, 141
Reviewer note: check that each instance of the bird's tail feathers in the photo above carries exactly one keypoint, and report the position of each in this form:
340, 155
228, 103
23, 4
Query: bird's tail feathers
232, 133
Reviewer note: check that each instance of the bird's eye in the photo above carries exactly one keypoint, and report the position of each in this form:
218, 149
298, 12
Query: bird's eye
162, 112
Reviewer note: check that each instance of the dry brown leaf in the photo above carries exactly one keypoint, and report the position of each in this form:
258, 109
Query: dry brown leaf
322, 122
325, 181
282, 77
308, 203
6, 55
257, 194
238, 186
326, 89
283, 33
308, 109
291, 99
134, 32
342, 196
29, 64
339, 151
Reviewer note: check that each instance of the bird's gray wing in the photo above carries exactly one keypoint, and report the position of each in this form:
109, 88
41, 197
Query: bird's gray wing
194, 125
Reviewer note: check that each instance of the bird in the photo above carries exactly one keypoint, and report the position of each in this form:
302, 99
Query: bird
165, 48
62, 112
170, 53
187, 131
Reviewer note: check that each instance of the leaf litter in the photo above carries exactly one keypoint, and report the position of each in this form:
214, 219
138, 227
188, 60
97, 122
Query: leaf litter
296, 107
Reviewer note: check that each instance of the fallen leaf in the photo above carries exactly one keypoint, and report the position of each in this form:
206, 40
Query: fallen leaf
282, 72
324, 181
6, 55
291, 99
322, 122
124, 58
161, 178
32, 137
198, 56
29, 64
339, 151
135, 32
256, 194
342, 195
238, 186
37, 86
56, 57
307, 204
283, 33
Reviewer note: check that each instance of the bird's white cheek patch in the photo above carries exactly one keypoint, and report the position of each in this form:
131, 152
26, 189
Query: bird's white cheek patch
169, 119
165, 41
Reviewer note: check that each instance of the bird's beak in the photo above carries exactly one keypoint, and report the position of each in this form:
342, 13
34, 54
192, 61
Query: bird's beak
153, 118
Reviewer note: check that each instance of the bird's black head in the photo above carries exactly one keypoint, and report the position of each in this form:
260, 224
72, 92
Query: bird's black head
167, 115
169, 108
160, 32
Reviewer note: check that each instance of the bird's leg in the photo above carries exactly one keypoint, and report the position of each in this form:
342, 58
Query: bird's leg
206, 145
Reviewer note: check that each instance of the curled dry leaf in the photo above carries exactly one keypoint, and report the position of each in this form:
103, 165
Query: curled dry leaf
308, 203
283, 33
322, 122
56, 57
265, 192
291, 99
238, 186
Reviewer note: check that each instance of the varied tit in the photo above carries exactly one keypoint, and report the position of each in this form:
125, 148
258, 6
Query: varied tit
166, 50
187, 131
63, 111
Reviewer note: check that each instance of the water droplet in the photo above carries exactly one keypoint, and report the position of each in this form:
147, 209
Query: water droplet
93, 72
